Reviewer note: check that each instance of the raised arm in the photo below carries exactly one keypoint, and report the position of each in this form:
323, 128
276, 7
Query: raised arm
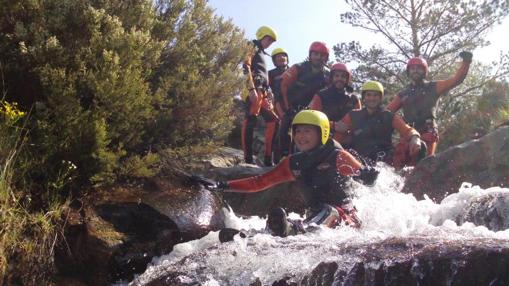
448, 84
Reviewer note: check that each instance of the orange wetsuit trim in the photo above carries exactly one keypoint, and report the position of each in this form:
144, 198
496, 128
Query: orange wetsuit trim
288, 78
346, 165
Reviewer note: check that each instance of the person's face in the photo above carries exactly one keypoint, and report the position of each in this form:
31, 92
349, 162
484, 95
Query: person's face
280, 60
416, 72
372, 99
266, 42
307, 137
317, 59
339, 79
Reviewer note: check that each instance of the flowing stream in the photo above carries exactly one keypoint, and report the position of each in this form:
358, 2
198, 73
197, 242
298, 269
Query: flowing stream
385, 212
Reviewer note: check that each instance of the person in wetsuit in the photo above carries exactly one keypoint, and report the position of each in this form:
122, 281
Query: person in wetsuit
370, 130
280, 61
419, 99
321, 167
257, 101
337, 99
298, 86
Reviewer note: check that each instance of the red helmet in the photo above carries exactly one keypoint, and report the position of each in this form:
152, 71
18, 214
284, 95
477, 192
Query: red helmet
417, 61
340, 67
319, 47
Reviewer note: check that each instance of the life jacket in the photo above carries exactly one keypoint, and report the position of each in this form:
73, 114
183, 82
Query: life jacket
258, 66
317, 173
275, 77
419, 104
337, 103
371, 133
308, 83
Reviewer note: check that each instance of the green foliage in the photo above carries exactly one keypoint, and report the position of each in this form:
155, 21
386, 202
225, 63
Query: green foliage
486, 113
114, 89
109, 81
26, 237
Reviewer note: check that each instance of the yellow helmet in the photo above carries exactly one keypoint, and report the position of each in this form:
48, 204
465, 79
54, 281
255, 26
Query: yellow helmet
372, 85
316, 118
278, 51
266, 31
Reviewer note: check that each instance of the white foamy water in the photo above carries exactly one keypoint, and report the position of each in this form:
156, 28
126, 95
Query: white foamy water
383, 209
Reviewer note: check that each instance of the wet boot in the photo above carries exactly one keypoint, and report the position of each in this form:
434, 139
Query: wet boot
227, 234
249, 160
277, 223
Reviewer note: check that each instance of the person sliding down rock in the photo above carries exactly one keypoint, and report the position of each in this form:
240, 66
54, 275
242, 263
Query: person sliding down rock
323, 169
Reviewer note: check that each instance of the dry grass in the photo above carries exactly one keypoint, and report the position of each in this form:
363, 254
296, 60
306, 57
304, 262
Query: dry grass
27, 238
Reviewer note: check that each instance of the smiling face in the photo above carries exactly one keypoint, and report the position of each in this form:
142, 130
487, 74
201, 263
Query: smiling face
372, 99
280, 60
339, 79
306, 137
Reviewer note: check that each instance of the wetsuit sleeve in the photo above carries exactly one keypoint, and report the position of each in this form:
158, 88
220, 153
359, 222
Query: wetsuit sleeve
405, 131
280, 174
346, 164
288, 78
395, 104
445, 85
316, 103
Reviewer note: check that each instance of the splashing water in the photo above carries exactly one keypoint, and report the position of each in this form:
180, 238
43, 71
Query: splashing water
383, 209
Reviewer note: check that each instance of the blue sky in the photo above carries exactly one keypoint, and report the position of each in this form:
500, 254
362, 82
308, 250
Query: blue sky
300, 22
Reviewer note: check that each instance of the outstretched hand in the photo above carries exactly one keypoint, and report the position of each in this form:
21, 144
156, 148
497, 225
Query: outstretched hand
209, 184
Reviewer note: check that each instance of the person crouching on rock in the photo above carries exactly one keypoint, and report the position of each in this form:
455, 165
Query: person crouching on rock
323, 169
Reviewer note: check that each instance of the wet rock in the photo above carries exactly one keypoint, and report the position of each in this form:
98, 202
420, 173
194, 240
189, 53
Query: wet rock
490, 210
429, 263
483, 162
397, 261
115, 232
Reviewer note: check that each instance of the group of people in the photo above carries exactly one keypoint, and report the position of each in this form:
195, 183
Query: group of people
363, 124
327, 134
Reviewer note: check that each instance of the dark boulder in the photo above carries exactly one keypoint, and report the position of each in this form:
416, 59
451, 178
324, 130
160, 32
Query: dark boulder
114, 232
483, 162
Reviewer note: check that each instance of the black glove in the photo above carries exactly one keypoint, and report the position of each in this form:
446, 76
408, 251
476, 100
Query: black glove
367, 176
466, 56
209, 184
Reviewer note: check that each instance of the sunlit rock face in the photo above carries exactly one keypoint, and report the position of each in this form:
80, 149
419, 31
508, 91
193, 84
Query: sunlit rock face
115, 232
484, 162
